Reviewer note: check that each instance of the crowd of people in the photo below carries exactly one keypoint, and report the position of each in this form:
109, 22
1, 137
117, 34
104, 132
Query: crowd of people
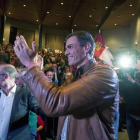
56, 69
84, 95
134, 55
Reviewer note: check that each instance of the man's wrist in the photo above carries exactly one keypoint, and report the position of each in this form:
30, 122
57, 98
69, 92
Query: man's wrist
31, 65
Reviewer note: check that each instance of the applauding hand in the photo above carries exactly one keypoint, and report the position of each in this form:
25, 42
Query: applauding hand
23, 52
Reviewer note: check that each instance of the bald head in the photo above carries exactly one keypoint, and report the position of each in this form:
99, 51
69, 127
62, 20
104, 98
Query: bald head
7, 77
10, 69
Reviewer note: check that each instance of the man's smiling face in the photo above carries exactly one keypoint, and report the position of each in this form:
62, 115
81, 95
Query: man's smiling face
75, 53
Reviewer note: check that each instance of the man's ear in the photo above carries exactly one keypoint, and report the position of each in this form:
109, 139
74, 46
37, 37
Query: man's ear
87, 47
6, 75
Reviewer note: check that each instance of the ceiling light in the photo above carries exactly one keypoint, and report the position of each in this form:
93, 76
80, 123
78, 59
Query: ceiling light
56, 23
106, 7
125, 61
115, 24
133, 14
62, 3
130, 5
69, 16
96, 25
37, 20
118, 15
9, 13
94, 8
90, 15
75, 25
24, 5
48, 12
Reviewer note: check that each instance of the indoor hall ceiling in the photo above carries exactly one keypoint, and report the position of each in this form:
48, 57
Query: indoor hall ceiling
72, 14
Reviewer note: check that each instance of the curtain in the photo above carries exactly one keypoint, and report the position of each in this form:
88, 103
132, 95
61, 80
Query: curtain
60, 42
28, 35
50, 41
56, 42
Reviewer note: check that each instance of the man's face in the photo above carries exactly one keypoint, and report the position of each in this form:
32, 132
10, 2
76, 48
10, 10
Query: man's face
50, 75
19, 81
67, 75
75, 53
54, 67
48, 60
67, 70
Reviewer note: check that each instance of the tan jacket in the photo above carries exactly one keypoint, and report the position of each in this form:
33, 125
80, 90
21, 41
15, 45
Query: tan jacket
91, 101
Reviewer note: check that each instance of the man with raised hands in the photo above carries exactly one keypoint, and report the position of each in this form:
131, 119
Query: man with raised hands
88, 105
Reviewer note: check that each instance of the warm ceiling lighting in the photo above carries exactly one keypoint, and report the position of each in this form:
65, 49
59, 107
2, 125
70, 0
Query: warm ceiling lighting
106, 7
48, 12
118, 15
75, 25
24, 5
115, 24
62, 3
90, 15
56, 23
69, 16
130, 5
9, 13
96, 25
94, 8
37, 20
133, 14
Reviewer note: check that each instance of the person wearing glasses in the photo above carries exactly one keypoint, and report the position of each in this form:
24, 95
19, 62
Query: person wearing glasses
15, 105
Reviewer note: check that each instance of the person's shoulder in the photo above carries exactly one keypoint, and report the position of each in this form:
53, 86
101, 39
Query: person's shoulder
102, 70
24, 91
102, 67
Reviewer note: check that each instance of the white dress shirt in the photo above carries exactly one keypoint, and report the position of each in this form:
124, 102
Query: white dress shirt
6, 103
56, 80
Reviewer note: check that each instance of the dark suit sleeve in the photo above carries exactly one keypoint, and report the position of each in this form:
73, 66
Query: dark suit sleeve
137, 85
33, 106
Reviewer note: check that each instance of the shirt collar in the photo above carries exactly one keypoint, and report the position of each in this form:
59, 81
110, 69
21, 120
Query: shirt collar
12, 92
81, 70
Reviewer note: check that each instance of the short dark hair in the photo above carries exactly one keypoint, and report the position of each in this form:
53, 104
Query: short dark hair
49, 69
83, 37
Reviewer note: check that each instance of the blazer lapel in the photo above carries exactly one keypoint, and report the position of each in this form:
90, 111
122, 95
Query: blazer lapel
15, 103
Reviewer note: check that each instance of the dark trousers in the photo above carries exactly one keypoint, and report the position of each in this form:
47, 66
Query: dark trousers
133, 127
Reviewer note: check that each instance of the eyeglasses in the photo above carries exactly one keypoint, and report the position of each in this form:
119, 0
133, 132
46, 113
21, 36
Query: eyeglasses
2, 73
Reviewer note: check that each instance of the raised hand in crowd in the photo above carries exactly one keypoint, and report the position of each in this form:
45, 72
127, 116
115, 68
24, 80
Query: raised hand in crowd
23, 51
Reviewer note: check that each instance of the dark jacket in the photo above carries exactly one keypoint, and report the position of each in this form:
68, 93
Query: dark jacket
23, 102
132, 97
59, 77
91, 101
